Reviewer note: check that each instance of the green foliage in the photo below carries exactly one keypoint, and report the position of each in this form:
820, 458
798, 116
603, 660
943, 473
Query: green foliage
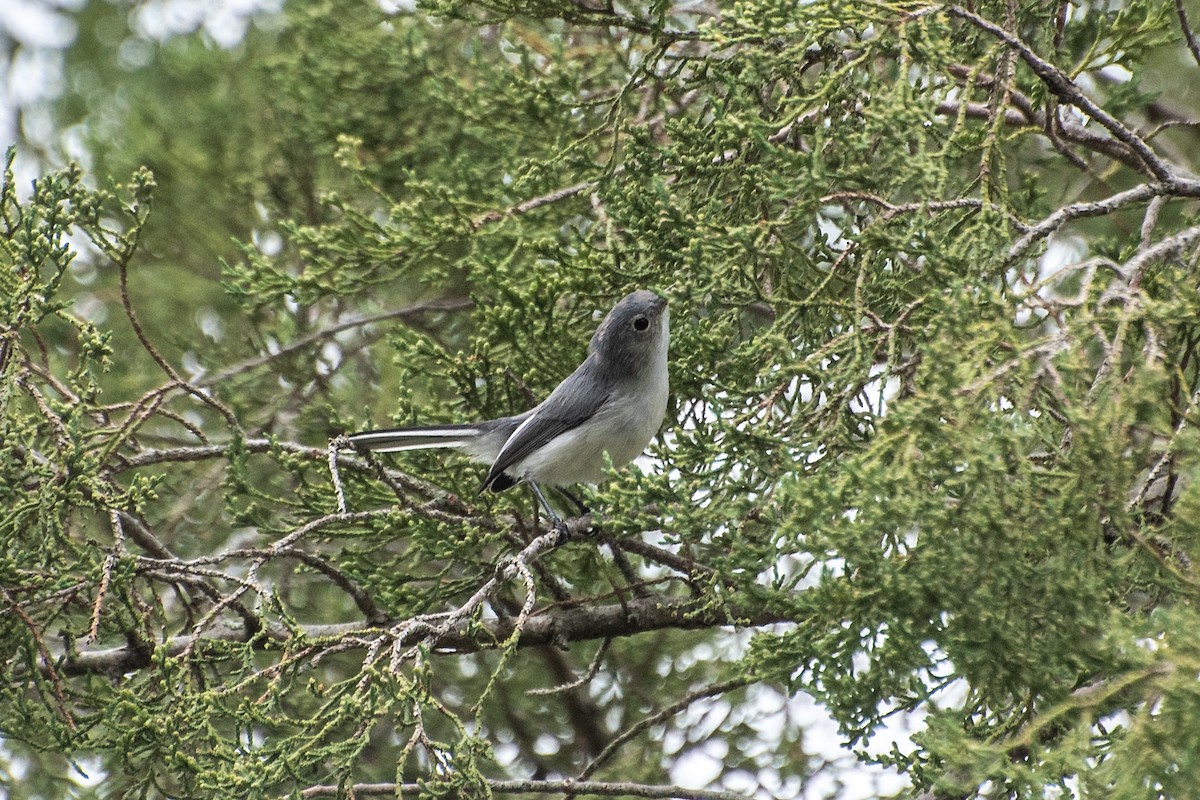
930, 454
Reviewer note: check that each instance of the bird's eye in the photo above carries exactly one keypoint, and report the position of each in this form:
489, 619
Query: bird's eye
641, 323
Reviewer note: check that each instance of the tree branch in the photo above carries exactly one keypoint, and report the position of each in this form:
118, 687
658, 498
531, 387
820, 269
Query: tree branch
558, 627
1065, 89
1188, 35
657, 717
1062, 216
530, 205
592, 788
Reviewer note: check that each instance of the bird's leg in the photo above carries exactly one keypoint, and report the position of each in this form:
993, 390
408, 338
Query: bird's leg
574, 498
555, 521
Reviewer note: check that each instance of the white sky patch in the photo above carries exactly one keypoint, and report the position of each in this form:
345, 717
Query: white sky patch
91, 308
192, 365
875, 395
1116, 72
331, 357
224, 21
35, 74
38, 23
699, 760
699, 767
90, 771
1062, 250
398, 6
269, 243
210, 323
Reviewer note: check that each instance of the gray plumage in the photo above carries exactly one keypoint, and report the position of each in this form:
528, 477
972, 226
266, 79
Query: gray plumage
613, 404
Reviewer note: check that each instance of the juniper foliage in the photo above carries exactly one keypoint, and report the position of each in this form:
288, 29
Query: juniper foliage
932, 271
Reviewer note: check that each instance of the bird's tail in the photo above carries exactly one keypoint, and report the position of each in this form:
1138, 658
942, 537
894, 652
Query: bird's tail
461, 437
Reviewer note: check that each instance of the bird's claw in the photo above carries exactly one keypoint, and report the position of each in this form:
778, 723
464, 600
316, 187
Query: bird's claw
563, 531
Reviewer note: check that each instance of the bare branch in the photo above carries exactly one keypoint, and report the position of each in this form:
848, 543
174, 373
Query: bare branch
110, 561
585, 678
261, 446
1150, 220
681, 564
891, 210
1135, 268
48, 669
1066, 90
530, 205
1138, 194
657, 717
335, 475
577, 788
1188, 35
559, 626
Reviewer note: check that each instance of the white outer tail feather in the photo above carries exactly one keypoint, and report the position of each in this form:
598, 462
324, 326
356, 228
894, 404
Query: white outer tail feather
396, 441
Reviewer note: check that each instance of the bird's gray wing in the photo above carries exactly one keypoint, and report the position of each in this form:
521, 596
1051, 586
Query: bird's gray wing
573, 403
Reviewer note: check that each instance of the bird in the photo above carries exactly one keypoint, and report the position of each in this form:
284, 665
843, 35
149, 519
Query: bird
606, 411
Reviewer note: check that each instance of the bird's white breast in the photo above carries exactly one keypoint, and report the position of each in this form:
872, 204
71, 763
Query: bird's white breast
622, 428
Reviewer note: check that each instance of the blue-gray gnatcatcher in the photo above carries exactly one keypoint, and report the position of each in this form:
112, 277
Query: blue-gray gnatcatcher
613, 404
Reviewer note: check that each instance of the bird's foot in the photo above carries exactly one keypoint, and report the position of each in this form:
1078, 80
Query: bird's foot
563, 530
569, 530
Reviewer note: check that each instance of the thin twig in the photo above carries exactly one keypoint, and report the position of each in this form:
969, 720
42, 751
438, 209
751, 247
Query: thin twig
48, 662
1062, 216
127, 303
110, 561
657, 717
530, 205
1187, 31
1150, 220
335, 444
1066, 90
309, 339
592, 670
365, 603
